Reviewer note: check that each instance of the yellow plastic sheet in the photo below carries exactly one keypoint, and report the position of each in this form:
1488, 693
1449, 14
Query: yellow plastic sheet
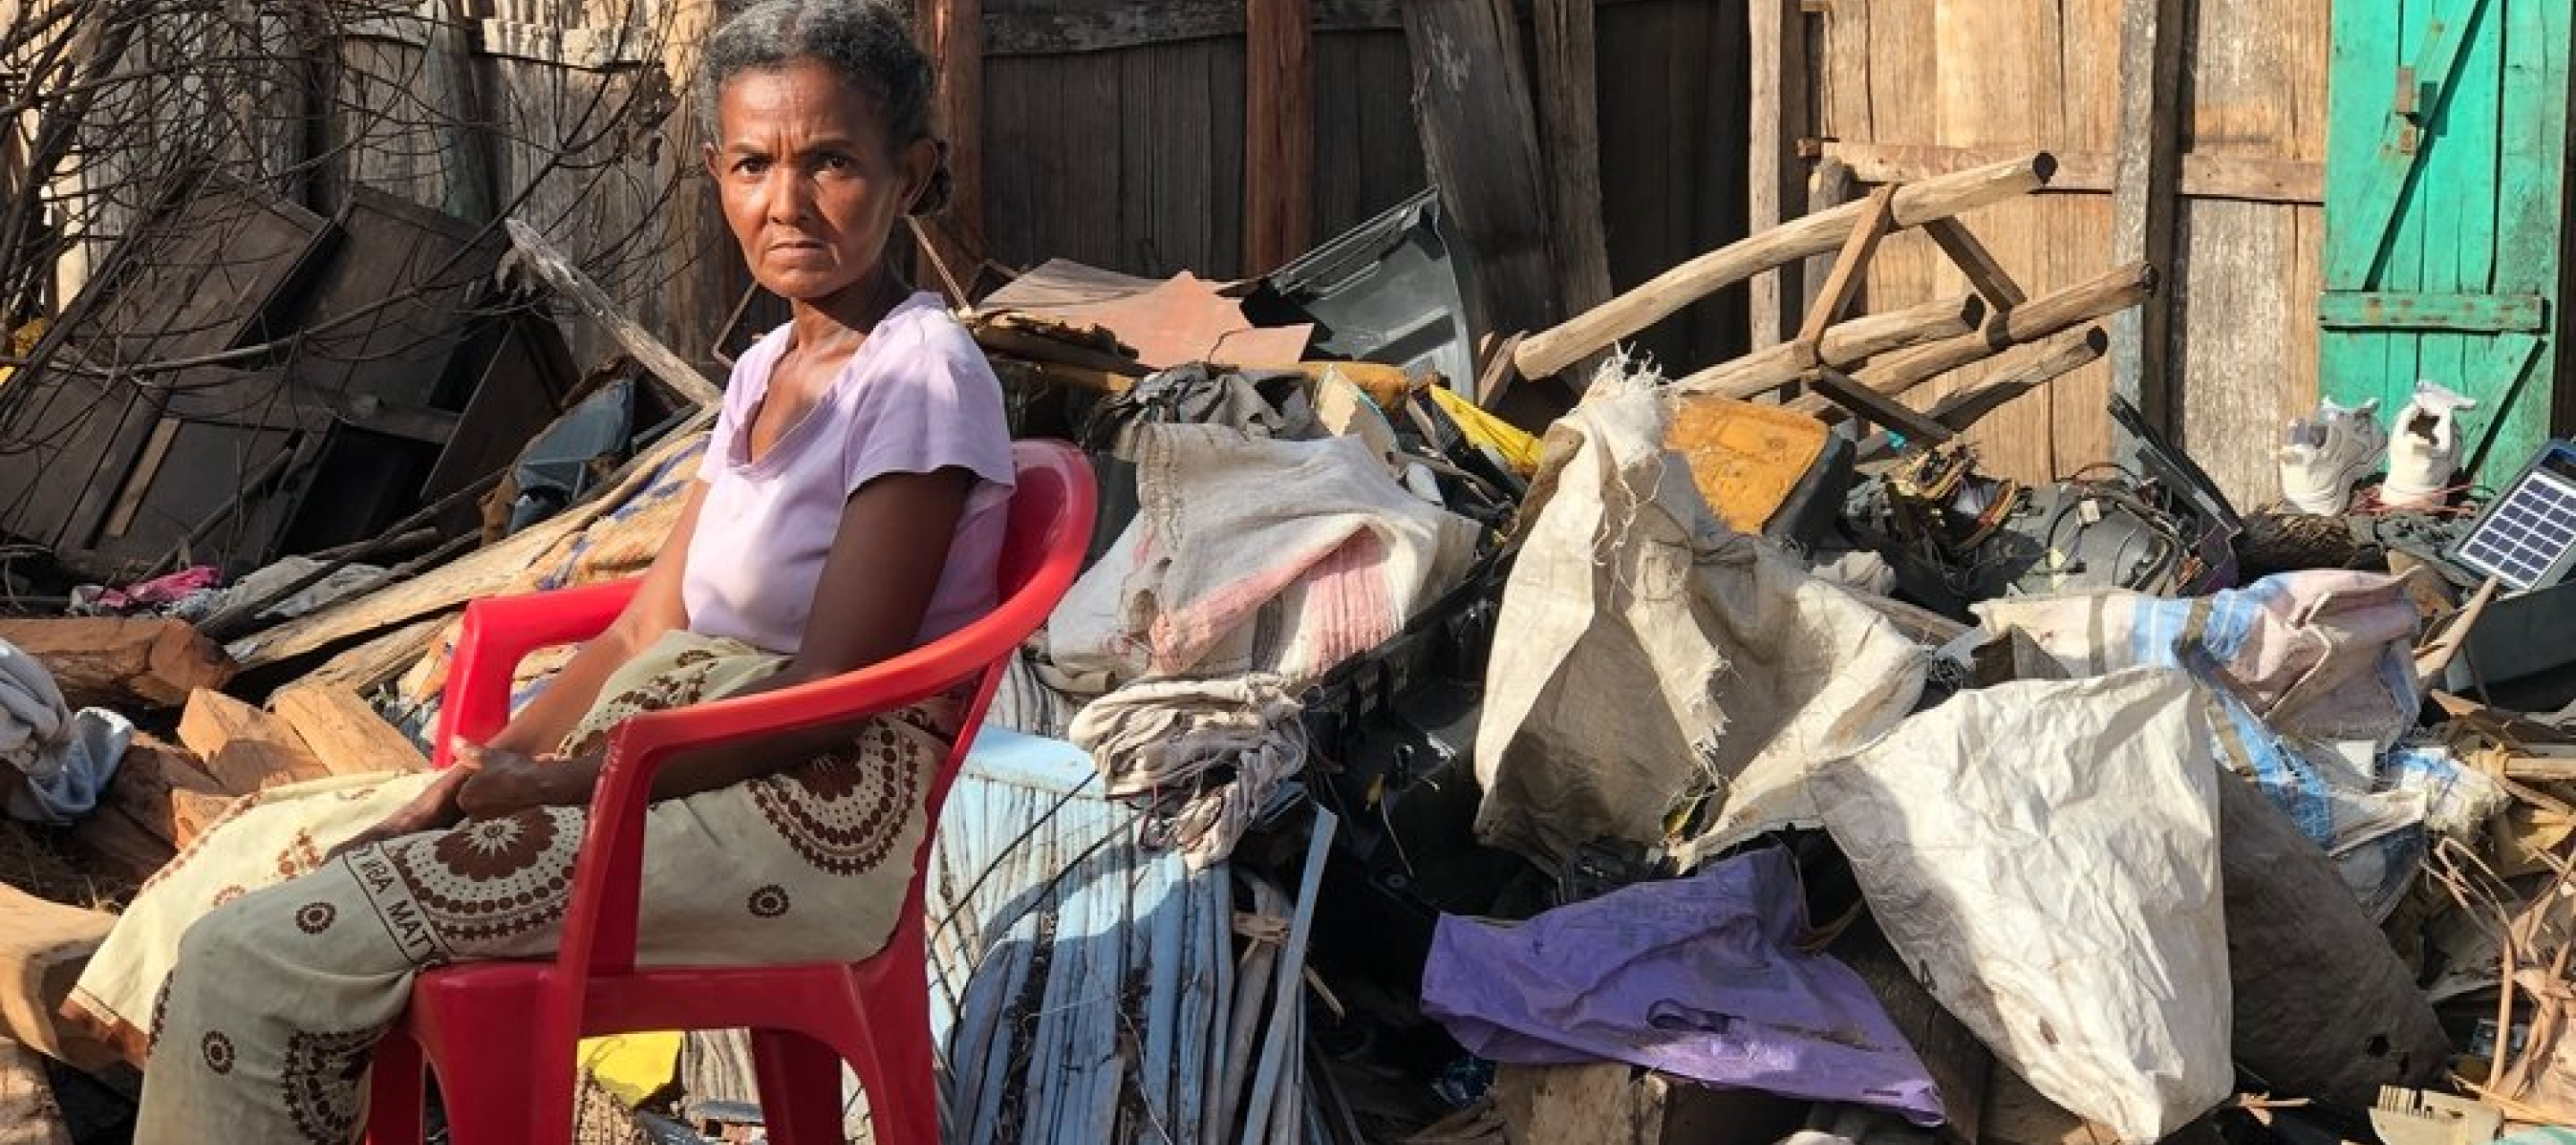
632, 1066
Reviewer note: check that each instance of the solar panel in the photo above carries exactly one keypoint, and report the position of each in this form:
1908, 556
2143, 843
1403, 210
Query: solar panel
2527, 535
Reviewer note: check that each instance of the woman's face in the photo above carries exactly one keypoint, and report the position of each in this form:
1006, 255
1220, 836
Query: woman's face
810, 184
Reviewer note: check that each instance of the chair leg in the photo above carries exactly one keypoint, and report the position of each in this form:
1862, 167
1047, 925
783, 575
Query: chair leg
394, 1092
903, 1110
800, 1088
490, 1096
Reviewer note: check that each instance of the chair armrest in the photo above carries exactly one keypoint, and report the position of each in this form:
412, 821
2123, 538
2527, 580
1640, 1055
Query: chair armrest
501, 631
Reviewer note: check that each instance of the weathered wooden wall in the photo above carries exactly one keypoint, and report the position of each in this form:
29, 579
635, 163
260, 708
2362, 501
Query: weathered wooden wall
1114, 134
1903, 84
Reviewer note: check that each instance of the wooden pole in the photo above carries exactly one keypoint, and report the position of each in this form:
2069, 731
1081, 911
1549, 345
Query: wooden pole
1473, 102
952, 35
1839, 346
1279, 133
1775, 188
1543, 354
1569, 116
2041, 317
2145, 197
2049, 361
558, 272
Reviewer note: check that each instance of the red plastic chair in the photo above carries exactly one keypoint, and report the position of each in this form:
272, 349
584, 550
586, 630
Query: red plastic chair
502, 1035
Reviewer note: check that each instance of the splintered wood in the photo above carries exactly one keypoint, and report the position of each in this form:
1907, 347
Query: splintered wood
121, 663
245, 748
43, 948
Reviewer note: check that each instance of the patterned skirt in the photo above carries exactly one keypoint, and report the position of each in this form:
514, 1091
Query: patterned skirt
253, 979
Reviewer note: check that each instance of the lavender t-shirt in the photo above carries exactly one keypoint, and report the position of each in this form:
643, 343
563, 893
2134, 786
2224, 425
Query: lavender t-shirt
916, 397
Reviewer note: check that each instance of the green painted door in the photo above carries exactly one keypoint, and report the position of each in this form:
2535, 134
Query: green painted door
2446, 175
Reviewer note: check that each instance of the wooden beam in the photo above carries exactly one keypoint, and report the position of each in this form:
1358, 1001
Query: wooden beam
149, 775
1876, 408
1544, 353
1569, 118
2053, 360
1969, 254
1830, 186
1851, 267
1278, 133
344, 732
43, 948
2146, 180
2042, 317
1843, 345
2246, 178
952, 35
1775, 179
1110, 25
535, 253
245, 748
121, 663
1473, 103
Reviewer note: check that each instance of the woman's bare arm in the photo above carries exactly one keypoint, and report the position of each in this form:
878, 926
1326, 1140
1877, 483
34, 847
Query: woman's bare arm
540, 727
877, 583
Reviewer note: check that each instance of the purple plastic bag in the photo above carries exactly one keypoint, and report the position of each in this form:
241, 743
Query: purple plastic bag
1700, 978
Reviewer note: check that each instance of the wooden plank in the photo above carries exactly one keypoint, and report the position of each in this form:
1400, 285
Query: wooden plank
1774, 179
344, 732
952, 35
1279, 128
28, 1113
147, 777
2205, 175
1473, 103
2532, 218
2147, 175
1569, 118
191, 812
2402, 310
111, 844
245, 748
1544, 353
122, 662
1969, 254
2433, 65
43, 948
1851, 266
1013, 30
536, 253
1830, 186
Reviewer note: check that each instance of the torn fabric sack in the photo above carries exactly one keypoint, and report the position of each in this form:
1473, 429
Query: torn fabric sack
1652, 654
2313, 684
65, 758
1709, 977
1212, 751
2045, 854
1253, 555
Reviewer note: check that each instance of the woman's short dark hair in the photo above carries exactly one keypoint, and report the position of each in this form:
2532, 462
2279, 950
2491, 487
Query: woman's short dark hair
866, 40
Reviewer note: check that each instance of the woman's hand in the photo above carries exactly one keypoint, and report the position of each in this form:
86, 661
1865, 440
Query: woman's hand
434, 809
502, 782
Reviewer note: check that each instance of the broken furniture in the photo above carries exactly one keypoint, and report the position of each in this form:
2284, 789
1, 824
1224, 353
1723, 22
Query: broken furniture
245, 379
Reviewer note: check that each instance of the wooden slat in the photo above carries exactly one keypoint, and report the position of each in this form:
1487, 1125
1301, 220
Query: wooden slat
2383, 181
952, 35
344, 732
1013, 30
2147, 172
551, 264
1279, 129
1774, 179
1569, 117
1969, 254
2394, 310
1851, 266
2205, 175
1473, 101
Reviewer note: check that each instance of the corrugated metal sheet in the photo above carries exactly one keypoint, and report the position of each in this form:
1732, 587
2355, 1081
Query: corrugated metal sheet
1084, 987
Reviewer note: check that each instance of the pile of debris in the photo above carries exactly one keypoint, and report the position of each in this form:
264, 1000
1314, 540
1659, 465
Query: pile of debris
1826, 788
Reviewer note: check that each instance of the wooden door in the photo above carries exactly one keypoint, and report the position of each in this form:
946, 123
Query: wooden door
2446, 175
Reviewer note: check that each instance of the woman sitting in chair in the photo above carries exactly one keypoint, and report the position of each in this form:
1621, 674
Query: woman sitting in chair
851, 506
